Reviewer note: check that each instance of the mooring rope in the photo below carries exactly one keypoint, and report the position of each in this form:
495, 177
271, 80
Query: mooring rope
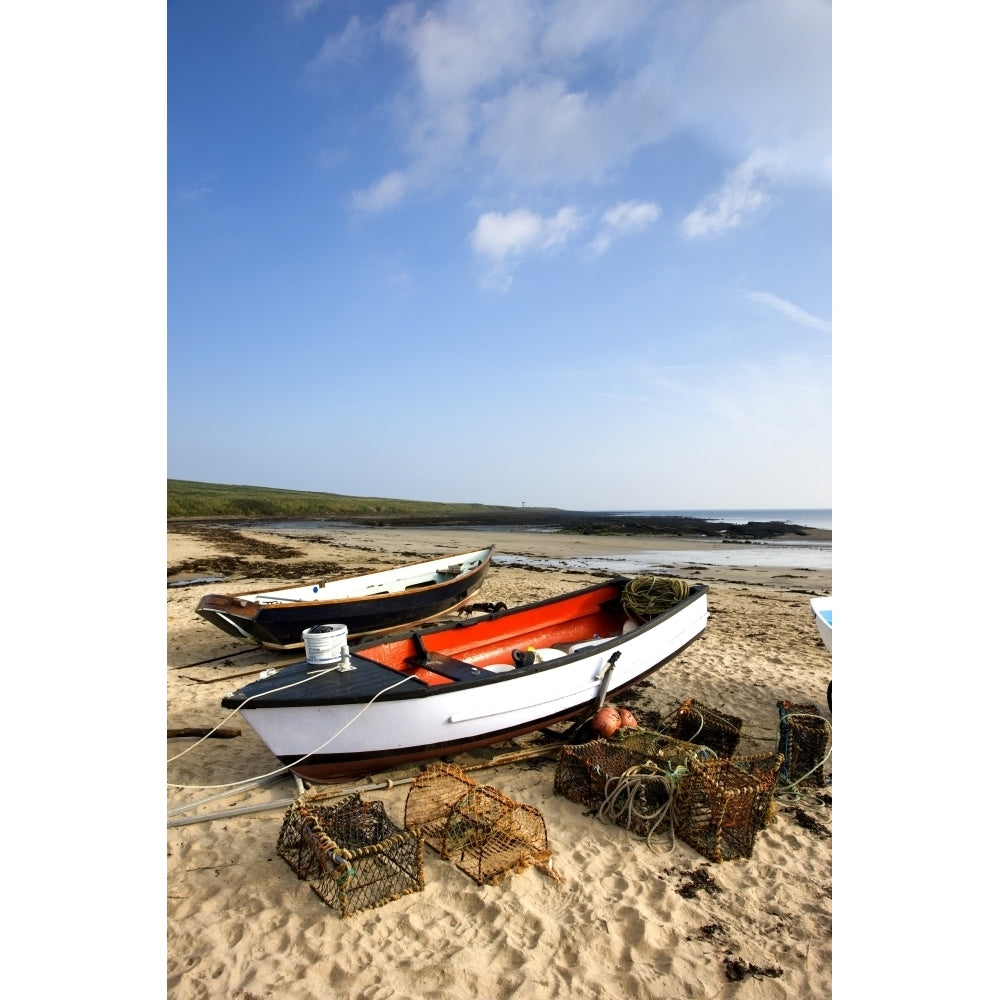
295, 763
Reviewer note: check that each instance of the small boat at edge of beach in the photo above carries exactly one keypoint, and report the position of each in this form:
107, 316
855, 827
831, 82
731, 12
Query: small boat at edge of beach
822, 609
371, 604
455, 687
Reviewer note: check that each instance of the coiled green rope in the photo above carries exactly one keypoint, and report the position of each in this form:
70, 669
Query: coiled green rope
645, 597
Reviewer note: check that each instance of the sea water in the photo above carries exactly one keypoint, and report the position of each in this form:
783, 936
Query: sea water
789, 553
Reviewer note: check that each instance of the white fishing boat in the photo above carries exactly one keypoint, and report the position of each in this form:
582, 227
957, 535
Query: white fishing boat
451, 688
367, 605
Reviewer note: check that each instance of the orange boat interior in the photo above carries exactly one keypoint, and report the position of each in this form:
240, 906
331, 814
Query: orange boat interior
449, 655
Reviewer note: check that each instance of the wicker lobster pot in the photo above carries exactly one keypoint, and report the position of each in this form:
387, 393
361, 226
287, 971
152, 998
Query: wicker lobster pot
486, 834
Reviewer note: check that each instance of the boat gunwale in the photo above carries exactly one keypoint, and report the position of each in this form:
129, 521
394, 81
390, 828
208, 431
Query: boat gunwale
252, 600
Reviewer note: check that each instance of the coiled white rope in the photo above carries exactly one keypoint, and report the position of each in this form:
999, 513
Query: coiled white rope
634, 782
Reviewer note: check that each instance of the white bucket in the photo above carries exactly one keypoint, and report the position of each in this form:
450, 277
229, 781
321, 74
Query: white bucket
325, 643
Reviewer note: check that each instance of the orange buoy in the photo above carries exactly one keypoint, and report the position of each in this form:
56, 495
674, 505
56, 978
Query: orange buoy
629, 721
607, 721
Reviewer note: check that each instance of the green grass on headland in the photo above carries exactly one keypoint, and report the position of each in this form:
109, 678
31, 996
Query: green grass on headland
188, 499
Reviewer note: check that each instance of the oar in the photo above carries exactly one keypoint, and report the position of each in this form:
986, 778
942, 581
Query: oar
219, 734
499, 761
229, 677
224, 656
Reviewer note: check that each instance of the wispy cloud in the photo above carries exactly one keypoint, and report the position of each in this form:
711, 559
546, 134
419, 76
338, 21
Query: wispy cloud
298, 9
785, 399
348, 46
384, 193
198, 191
791, 311
743, 195
625, 217
503, 240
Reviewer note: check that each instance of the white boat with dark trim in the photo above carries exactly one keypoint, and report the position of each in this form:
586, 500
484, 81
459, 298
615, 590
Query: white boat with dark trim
367, 605
454, 687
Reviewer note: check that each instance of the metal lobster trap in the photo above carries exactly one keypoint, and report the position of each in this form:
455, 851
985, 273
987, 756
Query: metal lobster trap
630, 779
804, 738
723, 804
694, 722
353, 856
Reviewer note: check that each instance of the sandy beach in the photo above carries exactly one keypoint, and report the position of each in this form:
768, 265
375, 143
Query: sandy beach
626, 917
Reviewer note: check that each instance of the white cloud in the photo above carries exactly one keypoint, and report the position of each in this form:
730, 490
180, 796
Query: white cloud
625, 217
492, 91
460, 47
532, 95
578, 25
298, 9
345, 47
503, 240
384, 193
631, 216
544, 133
793, 312
741, 196
759, 76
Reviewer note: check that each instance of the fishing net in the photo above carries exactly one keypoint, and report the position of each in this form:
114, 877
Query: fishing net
486, 834
804, 739
694, 722
722, 804
351, 854
645, 597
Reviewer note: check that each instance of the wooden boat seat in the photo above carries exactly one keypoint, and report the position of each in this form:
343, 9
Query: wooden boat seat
448, 666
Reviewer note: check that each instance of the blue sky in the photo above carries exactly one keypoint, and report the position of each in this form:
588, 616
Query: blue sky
573, 254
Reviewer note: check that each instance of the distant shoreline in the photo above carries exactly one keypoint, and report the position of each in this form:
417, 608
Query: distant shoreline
567, 522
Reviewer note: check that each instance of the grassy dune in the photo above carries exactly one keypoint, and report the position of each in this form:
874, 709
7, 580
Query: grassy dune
187, 499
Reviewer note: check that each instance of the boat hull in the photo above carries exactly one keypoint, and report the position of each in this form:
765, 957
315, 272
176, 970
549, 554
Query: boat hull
381, 602
822, 609
328, 725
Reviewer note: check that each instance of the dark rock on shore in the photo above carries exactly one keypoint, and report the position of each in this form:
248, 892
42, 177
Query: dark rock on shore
583, 523
571, 522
